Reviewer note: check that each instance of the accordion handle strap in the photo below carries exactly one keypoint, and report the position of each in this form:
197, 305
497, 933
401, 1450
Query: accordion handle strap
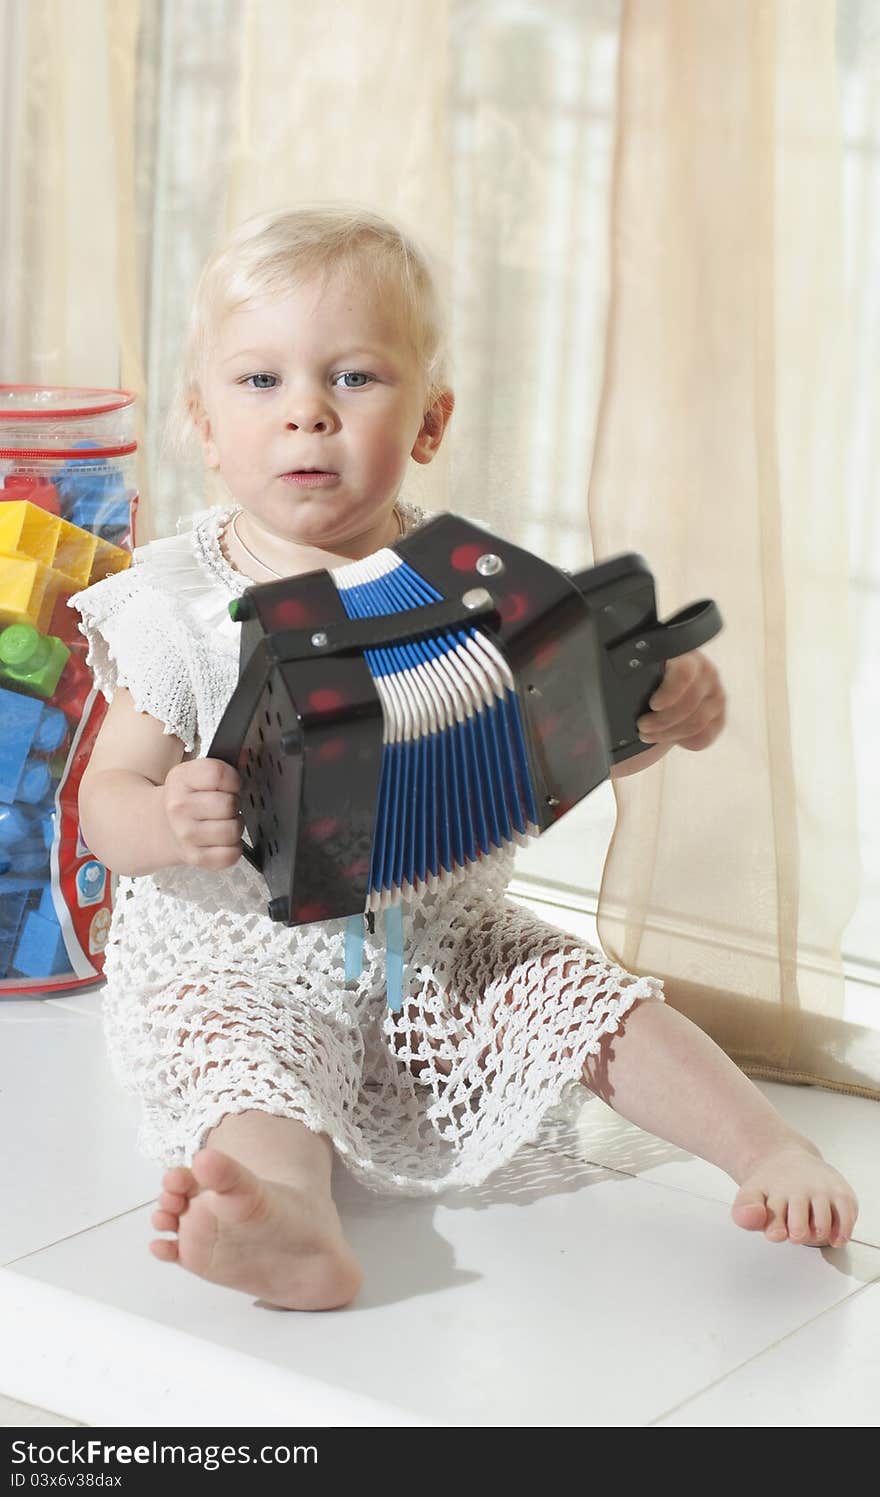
686, 630
349, 636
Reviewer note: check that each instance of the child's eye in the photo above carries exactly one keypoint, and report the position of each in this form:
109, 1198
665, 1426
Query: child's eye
258, 376
357, 374
347, 374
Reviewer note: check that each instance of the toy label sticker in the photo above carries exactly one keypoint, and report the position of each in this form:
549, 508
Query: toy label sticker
99, 929
90, 882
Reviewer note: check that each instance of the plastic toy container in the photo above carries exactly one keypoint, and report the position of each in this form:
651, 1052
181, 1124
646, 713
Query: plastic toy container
66, 521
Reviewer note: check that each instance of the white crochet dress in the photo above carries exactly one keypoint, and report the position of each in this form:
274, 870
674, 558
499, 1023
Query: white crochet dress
212, 1008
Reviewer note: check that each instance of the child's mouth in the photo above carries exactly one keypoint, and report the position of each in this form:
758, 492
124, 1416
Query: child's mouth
311, 479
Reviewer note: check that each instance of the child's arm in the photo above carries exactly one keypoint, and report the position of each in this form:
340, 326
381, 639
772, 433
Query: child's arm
639, 761
121, 807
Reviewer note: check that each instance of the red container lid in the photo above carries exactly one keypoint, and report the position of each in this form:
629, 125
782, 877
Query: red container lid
59, 422
60, 403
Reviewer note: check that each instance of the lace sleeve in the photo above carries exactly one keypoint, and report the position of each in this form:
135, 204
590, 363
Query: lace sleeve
138, 638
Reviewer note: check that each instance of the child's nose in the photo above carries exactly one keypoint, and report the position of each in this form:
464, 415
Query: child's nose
310, 422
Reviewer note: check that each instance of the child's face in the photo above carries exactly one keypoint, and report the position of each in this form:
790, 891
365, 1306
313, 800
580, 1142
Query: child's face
317, 380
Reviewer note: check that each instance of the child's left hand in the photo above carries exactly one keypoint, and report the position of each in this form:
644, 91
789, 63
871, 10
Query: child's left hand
689, 705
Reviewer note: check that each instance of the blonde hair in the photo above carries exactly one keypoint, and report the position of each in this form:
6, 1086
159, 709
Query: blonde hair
271, 253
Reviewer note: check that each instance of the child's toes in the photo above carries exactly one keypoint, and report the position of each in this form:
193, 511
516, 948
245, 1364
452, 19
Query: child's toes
239, 1193
180, 1181
749, 1210
842, 1222
820, 1221
165, 1221
164, 1250
776, 1229
168, 1201
799, 1219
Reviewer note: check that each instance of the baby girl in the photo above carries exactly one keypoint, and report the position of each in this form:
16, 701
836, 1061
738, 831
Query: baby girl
314, 373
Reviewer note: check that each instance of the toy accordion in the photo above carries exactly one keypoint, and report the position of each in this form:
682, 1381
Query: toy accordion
399, 718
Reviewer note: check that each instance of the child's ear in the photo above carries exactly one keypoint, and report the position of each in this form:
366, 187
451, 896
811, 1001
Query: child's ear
434, 424
199, 417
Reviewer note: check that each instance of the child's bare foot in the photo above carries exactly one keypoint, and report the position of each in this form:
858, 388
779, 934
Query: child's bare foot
264, 1237
790, 1192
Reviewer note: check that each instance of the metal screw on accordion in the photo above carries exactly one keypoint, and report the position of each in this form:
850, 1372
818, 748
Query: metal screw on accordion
476, 597
552, 800
319, 640
641, 644
489, 565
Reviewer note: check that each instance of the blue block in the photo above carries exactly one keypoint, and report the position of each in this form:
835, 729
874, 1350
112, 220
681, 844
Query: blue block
87, 478
27, 725
46, 906
17, 897
25, 839
41, 951
19, 716
89, 510
13, 908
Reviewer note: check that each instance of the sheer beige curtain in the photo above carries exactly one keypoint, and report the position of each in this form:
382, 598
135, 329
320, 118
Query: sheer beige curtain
70, 310
733, 873
638, 208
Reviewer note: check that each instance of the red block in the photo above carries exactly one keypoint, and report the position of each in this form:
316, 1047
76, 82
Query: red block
73, 688
28, 486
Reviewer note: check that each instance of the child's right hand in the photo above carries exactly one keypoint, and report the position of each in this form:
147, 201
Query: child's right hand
200, 800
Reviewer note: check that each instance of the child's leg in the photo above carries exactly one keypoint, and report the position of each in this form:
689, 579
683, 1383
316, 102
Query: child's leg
666, 1075
255, 1213
656, 1068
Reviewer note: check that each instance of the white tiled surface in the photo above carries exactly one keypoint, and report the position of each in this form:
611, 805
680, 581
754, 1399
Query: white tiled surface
561, 1293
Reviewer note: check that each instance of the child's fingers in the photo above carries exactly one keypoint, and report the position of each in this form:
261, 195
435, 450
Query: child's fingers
214, 805
697, 733
213, 857
223, 833
209, 774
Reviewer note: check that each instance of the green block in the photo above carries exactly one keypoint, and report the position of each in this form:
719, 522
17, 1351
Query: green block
31, 659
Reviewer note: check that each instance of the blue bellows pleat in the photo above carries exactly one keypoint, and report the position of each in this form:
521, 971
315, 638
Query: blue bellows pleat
454, 784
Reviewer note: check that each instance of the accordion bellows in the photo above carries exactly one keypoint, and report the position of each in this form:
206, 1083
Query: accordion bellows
449, 697
455, 783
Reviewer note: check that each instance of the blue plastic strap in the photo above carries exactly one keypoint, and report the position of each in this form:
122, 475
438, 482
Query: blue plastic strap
354, 946
394, 956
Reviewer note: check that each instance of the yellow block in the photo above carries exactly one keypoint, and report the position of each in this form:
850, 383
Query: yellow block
108, 558
75, 553
28, 591
29, 529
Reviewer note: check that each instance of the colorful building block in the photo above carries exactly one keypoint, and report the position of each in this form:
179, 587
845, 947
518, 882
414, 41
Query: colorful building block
76, 684
32, 486
29, 591
26, 839
88, 477
14, 904
43, 557
107, 517
30, 729
31, 660
108, 556
40, 951
27, 530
